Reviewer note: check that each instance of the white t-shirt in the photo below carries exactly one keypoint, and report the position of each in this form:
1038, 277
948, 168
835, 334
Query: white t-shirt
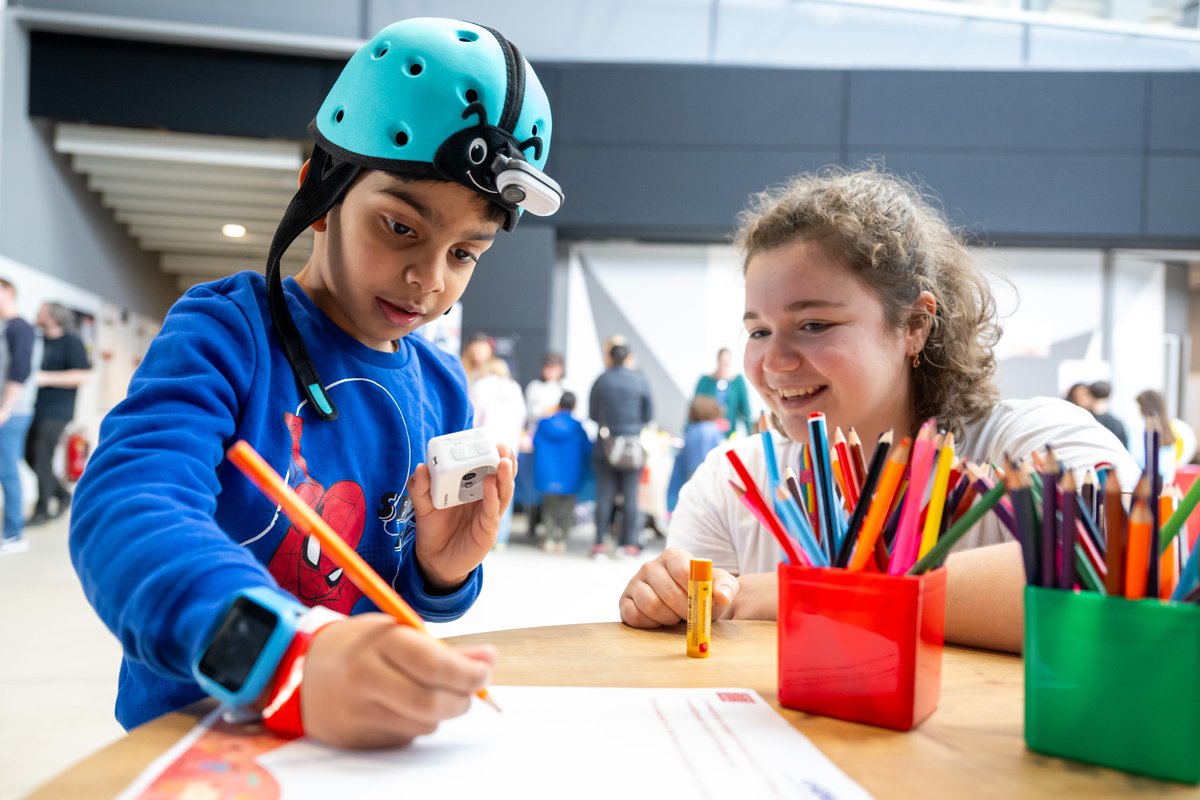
710, 522
500, 408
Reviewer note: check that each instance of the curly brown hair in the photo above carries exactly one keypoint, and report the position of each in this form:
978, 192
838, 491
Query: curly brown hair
896, 242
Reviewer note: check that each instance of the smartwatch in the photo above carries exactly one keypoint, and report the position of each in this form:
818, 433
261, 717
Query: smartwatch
246, 646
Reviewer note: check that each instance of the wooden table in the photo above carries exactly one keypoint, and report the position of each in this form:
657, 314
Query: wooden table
971, 747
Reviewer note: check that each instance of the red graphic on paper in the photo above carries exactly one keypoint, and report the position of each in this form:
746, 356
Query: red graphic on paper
735, 697
222, 763
299, 564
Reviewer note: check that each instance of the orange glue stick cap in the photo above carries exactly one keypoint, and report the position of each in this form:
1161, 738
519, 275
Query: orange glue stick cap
701, 569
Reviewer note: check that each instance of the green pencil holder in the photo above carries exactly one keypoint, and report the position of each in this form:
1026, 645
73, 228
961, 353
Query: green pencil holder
1113, 682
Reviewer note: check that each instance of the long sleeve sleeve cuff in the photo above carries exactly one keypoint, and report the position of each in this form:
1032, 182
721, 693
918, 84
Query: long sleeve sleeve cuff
435, 607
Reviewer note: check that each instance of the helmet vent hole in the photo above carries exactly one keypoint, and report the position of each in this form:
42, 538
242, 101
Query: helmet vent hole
339, 115
401, 138
414, 69
381, 52
471, 95
534, 131
468, 36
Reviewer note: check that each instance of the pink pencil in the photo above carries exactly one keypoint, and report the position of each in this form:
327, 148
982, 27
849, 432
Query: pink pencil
908, 538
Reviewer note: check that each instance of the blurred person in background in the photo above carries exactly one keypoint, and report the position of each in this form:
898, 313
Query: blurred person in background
542, 394
1101, 391
477, 352
560, 460
500, 409
1152, 406
703, 434
1080, 394
728, 388
64, 369
17, 360
621, 405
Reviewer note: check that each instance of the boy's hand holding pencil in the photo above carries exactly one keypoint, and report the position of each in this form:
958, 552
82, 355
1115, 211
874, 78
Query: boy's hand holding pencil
453, 541
371, 683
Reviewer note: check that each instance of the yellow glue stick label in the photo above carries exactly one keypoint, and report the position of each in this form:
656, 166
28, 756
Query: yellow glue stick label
699, 619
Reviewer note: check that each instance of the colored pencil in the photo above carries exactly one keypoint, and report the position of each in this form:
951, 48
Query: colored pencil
1070, 502
766, 517
937, 555
310, 523
856, 456
872, 526
1183, 510
850, 483
1137, 558
1002, 509
1049, 539
818, 445
1115, 527
1169, 559
904, 551
937, 499
868, 489
1017, 486
839, 477
808, 542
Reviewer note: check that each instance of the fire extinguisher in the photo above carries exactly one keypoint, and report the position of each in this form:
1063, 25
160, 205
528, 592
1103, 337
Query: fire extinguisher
77, 454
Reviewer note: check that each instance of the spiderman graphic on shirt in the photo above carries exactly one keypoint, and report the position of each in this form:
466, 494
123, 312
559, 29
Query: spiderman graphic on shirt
299, 564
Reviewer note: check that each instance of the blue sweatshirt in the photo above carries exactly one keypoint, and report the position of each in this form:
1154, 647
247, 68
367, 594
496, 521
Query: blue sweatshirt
164, 530
561, 448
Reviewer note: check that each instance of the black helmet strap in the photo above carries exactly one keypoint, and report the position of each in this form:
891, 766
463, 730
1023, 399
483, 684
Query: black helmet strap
324, 186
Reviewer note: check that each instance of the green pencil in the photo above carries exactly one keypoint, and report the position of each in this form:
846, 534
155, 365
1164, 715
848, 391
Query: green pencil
936, 555
1175, 523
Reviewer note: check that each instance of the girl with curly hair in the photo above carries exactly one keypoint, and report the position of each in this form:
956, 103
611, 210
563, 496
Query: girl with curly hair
863, 304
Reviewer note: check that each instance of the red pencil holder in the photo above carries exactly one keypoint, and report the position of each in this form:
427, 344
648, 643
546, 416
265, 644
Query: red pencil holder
861, 647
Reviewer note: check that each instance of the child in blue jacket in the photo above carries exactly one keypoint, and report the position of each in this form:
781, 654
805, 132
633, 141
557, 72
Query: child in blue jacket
431, 141
561, 450
704, 432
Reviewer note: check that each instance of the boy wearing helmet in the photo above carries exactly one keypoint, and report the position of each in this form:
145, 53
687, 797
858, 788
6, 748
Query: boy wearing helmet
431, 140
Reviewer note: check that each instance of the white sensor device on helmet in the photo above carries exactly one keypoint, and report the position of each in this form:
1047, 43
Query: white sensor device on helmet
527, 186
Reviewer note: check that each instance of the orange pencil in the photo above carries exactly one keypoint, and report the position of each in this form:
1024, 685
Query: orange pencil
1137, 558
893, 470
310, 523
1168, 563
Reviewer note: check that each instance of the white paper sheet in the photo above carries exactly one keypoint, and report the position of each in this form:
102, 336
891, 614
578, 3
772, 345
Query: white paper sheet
567, 742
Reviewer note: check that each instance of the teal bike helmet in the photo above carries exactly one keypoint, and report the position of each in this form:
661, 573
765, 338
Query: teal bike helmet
425, 98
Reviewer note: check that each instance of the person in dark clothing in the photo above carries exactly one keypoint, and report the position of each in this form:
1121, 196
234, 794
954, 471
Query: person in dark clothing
1101, 390
65, 367
620, 403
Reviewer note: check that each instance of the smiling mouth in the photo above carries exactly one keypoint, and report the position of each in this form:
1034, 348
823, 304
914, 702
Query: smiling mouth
799, 393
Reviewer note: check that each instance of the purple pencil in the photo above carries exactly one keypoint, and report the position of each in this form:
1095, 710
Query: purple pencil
1070, 501
1046, 570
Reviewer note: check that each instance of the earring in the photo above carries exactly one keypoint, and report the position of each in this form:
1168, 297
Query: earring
916, 361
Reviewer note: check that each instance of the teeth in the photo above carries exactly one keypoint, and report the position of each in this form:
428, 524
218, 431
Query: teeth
787, 394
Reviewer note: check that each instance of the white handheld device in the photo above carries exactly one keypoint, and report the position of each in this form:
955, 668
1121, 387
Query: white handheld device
457, 465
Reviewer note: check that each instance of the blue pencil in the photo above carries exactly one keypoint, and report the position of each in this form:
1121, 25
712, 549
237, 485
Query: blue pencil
831, 522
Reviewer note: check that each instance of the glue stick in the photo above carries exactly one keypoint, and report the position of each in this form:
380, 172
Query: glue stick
699, 619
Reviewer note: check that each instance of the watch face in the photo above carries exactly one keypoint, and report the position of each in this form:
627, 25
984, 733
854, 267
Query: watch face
237, 643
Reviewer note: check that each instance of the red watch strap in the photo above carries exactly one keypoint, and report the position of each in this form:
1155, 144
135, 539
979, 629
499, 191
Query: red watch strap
282, 714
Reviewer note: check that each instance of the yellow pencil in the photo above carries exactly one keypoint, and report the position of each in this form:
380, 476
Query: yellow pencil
304, 517
937, 500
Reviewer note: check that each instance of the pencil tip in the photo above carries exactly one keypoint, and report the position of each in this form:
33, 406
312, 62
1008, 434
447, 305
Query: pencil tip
486, 697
